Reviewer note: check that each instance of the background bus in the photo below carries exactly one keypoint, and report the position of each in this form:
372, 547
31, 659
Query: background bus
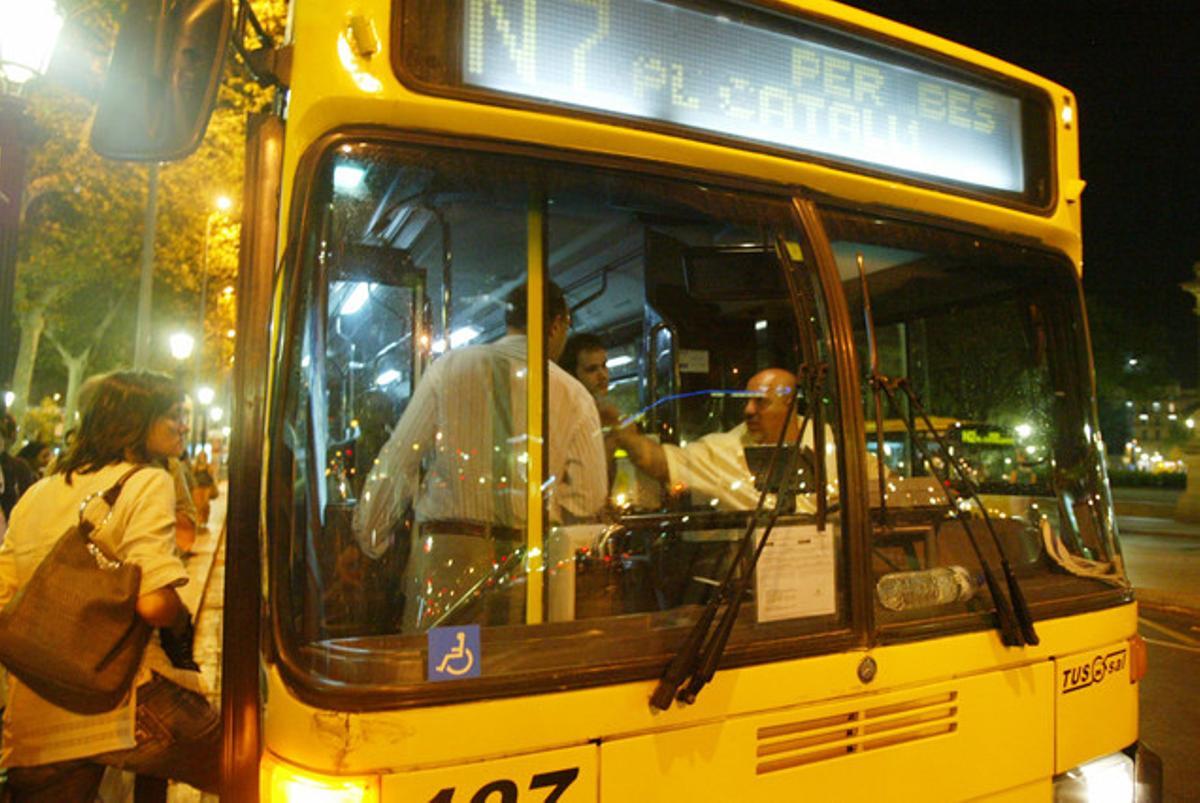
719, 188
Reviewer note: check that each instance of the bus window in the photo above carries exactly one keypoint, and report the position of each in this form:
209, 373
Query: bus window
985, 419
408, 449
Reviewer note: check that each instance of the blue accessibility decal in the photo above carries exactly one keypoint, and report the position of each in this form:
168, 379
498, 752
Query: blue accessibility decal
453, 652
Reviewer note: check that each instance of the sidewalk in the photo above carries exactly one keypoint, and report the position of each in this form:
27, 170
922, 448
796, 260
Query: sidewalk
1162, 555
1149, 502
204, 596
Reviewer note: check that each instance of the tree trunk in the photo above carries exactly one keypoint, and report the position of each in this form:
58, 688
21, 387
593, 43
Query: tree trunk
33, 323
76, 365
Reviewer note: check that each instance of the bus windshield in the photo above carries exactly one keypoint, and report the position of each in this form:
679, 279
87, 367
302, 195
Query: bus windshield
404, 457
984, 409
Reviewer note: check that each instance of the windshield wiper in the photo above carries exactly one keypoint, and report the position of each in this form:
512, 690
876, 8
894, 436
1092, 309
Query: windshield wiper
697, 660
873, 349
1023, 617
1014, 619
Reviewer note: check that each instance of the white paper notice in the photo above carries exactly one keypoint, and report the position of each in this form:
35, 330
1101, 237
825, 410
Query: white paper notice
795, 574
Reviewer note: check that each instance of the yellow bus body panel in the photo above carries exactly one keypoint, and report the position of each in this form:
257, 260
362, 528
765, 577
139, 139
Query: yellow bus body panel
950, 718
913, 744
1091, 684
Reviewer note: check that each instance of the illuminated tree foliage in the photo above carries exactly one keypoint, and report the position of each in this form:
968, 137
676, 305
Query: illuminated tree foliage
82, 222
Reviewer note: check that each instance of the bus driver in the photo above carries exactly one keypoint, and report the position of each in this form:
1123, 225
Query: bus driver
714, 466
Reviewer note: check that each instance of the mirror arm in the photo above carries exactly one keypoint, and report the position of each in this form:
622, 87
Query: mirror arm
246, 14
268, 65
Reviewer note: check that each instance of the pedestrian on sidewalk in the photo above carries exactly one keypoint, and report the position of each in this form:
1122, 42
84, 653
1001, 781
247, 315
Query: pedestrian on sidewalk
16, 477
204, 488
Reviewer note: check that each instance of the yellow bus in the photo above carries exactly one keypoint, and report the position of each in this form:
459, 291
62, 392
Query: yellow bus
439, 612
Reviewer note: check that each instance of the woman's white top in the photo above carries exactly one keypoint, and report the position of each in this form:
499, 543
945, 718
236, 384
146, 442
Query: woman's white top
142, 531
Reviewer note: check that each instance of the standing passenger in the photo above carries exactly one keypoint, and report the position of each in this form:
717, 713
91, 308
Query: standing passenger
37, 456
465, 424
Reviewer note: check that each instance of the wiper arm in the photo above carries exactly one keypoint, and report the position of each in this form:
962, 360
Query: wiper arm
1014, 620
715, 647
1020, 606
697, 659
876, 388
1009, 616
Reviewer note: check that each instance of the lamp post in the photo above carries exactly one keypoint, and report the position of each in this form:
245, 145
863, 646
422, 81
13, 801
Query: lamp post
204, 396
181, 345
28, 32
223, 205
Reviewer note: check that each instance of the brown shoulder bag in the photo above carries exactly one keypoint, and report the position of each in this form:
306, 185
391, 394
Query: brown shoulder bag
72, 634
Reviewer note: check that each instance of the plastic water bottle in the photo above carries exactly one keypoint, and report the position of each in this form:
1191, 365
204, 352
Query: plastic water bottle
905, 591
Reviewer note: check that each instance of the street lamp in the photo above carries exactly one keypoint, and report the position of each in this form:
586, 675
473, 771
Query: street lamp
181, 344
205, 396
27, 39
28, 32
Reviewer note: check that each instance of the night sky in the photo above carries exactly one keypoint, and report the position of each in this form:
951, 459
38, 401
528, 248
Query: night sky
1134, 67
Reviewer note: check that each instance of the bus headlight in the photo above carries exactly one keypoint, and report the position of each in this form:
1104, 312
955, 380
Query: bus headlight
1105, 780
285, 783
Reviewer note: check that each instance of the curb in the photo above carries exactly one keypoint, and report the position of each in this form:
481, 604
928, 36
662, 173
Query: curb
1171, 599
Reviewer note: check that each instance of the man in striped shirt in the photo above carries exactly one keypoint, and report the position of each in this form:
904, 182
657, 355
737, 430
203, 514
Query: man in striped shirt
465, 426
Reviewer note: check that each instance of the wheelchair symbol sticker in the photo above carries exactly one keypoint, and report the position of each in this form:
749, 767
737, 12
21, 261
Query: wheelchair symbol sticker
453, 652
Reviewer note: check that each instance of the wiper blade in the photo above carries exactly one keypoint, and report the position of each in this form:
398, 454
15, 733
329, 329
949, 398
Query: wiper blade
1021, 607
715, 647
697, 660
1014, 619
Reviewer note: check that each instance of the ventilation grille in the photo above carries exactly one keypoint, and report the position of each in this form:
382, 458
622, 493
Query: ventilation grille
795, 744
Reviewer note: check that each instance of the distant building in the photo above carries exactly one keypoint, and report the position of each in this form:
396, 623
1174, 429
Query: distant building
1161, 428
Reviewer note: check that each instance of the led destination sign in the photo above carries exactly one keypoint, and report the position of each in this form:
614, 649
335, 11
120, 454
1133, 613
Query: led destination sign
678, 65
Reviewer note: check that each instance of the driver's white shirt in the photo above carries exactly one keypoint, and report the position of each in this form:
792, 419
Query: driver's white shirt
714, 468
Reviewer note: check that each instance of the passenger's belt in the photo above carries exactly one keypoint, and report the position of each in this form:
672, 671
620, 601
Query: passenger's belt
477, 529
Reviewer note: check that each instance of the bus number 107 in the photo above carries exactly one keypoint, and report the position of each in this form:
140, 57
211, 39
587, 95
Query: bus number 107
505, 791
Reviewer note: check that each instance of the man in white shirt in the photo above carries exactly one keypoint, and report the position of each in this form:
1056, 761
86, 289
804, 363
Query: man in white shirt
714, 466
465, 424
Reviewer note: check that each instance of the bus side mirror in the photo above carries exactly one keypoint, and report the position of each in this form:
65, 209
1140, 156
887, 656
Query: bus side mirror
163, 79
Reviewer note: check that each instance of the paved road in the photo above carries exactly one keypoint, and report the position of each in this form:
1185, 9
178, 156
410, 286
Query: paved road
1164, 567
1163, 560
1170, 704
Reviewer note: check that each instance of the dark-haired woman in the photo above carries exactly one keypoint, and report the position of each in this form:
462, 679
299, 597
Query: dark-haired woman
165, 728
37, 456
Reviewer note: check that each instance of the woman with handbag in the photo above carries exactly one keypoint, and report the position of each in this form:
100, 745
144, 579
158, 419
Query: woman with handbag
164, 726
